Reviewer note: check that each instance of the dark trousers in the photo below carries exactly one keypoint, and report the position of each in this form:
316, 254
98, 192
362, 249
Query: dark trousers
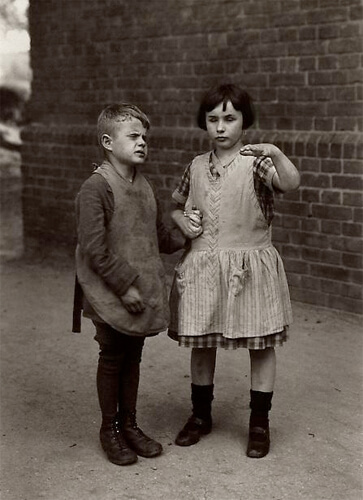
118, 370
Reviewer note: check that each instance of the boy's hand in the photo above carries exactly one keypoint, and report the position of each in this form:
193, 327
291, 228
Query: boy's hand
192, 226
190, 223
132, 300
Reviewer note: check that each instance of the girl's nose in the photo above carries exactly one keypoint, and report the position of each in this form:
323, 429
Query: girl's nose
220, 126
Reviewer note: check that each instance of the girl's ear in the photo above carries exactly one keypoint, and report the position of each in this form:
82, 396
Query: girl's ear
106, 142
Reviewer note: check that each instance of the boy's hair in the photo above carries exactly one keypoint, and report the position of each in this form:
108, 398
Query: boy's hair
240, 99
116, 113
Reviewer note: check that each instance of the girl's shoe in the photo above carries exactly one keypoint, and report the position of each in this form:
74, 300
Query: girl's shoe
193, 430
258, 442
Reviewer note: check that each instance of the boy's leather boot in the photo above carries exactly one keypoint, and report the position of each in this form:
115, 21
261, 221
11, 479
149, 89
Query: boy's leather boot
259, 432
114, 444
112, 441
200, 423
138, 441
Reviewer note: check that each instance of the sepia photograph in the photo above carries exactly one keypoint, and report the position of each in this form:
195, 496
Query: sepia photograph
181, 270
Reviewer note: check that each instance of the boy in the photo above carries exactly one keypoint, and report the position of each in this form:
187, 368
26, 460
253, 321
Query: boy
119, 270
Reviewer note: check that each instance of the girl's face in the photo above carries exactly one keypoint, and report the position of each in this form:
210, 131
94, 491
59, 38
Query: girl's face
224, 126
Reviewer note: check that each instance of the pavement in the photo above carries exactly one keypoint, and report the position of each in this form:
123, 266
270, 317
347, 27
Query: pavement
50, 417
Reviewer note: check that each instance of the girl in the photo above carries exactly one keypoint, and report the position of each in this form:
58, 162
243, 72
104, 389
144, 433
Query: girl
230, 288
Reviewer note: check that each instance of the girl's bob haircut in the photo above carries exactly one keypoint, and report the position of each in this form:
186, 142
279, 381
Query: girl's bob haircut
240, 99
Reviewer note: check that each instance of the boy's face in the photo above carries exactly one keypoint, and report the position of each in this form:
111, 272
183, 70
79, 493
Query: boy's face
127, 142
224, 125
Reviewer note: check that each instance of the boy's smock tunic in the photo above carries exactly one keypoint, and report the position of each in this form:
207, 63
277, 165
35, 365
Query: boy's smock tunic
130, 233
231, 285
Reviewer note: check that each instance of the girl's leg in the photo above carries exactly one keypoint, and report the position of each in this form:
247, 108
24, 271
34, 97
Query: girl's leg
263, 372
202, 370
263, 369
202, 366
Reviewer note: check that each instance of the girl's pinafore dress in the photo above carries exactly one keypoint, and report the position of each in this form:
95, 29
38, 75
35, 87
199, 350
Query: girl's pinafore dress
230, 288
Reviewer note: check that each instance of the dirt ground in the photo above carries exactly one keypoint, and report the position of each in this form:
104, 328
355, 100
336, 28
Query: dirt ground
50, 417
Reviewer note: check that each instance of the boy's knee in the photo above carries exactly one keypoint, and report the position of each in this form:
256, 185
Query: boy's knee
134, 349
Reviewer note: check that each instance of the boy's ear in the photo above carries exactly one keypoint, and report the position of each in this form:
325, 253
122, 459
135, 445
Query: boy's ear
106, 142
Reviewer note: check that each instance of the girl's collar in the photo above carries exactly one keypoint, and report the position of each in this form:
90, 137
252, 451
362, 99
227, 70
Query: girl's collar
218, 164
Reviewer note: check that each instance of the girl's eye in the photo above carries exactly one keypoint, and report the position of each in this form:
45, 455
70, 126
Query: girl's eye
230, 118
212, 119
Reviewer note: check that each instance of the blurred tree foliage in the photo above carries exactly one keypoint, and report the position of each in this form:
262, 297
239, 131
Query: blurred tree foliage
13, 15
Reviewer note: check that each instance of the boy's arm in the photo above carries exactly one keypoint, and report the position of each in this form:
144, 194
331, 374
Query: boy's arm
93, 207
170, 240
287, 177
189, 224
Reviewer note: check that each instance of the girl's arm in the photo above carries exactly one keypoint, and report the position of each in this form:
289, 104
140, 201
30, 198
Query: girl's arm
287, 177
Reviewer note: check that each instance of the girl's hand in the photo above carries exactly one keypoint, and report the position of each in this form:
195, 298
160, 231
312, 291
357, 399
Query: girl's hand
263, 149
287, 177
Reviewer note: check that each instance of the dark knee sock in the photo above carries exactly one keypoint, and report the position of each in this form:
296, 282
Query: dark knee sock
108, 386
260, 405
129, 387
130, 375
202, 397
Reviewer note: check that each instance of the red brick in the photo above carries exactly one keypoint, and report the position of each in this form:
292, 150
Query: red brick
352, 260
352, 290
330, 165
346, 244
329, 272
310, 283
327, 15
324, 124
309, 240
331, 197
344, 304
350, 229
331, 257
311, 254
308, 296
353, 183
280, 235
316, 181
307, 63
296, 266
311, 225
331, 287
352, 167
327, 62
353, 199
332, 212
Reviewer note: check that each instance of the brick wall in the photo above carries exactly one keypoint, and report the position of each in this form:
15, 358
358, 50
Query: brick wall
300, 60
